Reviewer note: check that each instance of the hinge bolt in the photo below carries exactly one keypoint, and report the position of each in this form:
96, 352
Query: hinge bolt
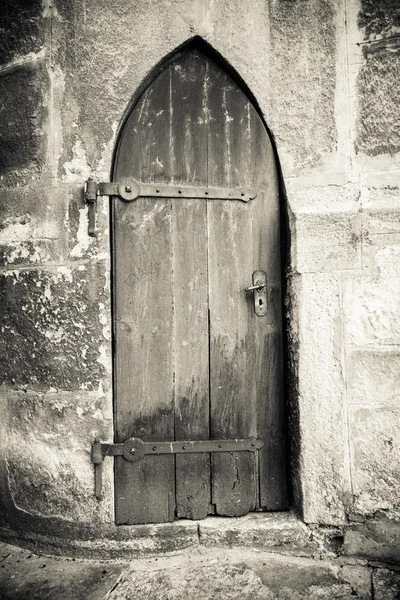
132, 450
128, 189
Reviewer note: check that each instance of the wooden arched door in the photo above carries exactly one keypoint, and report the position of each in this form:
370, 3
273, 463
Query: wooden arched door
193, 361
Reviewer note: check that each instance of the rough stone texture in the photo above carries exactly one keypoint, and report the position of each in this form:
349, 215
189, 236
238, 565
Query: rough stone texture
386, 584
371, 299
203, 574
373, 376
27, 576
53, 317
280, 531
302, 116
379, 88
47, 451
246, 576
376, 539
326, 242
32, 231
23, 123
99, 539
22, 29
375, 447
381, 218
378, 17
315, 337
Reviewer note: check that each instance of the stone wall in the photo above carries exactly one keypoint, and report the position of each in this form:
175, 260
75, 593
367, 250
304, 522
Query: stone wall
325, 76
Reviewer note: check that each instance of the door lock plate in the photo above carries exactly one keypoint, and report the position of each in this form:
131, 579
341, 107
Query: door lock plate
259, 289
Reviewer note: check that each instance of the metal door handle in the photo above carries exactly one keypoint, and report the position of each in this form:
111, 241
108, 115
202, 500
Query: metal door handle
258, 286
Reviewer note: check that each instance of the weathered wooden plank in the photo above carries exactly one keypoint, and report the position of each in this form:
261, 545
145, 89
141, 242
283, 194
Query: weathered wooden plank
189, 149
143, 364
269, 375
143, 315
233, 413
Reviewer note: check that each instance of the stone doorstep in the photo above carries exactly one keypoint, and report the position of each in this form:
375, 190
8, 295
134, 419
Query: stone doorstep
280, 532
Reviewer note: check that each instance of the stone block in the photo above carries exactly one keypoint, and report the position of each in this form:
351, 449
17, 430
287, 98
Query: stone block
380, 218
101, 77
326, 242
377, 539
23, 29
375, 450
318, 415
381, 212
23, 123
371, 299
310, 194
303, 44
378, 18
373, 376
280, 532
46, 446
55, 327
386, 584
32, 230
378, 130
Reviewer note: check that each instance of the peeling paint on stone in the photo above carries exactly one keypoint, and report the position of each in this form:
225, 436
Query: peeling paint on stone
77, 169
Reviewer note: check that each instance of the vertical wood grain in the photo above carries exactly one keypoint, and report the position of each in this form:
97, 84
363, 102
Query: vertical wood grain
233, 412
270, 400
189, 139
143, 315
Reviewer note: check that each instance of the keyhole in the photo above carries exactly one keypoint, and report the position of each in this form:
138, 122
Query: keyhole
260, 301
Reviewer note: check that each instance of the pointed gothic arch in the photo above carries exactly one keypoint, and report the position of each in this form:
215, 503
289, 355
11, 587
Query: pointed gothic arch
193, 360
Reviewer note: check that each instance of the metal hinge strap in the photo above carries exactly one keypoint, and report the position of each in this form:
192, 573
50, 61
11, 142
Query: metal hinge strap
134, 449
130, 189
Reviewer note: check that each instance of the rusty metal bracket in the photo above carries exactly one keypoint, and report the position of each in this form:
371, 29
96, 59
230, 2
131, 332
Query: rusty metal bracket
134, 449
130, 189
90, 194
